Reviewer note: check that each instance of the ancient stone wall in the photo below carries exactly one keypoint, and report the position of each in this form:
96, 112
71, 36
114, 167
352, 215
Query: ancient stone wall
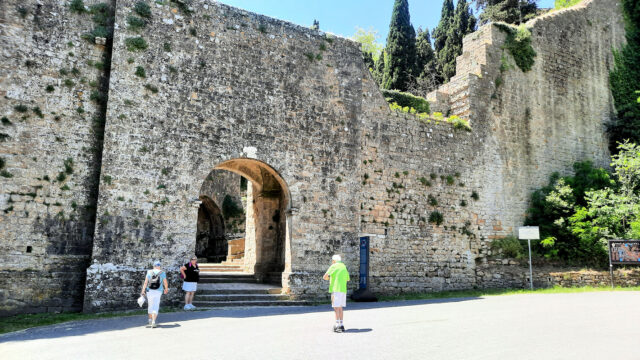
302, 114
230, 84
50, 150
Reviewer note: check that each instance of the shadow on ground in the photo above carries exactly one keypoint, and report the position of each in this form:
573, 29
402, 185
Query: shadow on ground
173, 319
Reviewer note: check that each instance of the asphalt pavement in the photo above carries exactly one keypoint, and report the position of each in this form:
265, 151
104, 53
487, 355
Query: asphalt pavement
597, 325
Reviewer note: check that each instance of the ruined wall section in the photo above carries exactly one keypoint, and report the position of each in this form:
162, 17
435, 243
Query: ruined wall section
222, 83
548, 118
49, 151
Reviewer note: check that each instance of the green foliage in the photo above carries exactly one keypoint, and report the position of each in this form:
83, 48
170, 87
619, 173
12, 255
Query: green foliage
151, 88
459, 123
136, 43
400, 50
182, 6
50, 88
509, 11
432, 200
561, 4
518, 43
450, 180
2, 163
427, 76
462, 23
403, 99
625, 77
135, 23
6, 174
107, 179
21, 108
368, 40
560, 209
5, 121
77, 6
68, 166
167, 47
36, 110
141, 72
22, 11
436, 218
474, 195
61, 176
69, 83
509, 247
98, 97
230, 208
142, 8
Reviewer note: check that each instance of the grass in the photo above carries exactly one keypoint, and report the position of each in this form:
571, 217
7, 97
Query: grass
26, 321
498, 292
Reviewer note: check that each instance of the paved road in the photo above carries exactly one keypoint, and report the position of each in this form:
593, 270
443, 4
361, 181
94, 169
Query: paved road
602, 325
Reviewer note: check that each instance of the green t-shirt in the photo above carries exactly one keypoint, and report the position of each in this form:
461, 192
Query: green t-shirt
339, 277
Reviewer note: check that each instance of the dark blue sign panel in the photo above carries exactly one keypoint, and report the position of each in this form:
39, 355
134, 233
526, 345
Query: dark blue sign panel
624, 252
364, 262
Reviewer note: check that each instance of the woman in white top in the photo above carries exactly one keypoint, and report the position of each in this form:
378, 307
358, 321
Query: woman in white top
155, 284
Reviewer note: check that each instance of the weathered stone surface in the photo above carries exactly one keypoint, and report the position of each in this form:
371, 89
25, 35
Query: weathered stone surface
296, 112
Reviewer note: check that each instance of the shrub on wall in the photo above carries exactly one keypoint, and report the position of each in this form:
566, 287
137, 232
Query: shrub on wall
518, 43
407, 100
561, 4
509, 247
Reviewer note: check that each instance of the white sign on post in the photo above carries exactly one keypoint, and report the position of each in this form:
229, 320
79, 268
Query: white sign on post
529, 233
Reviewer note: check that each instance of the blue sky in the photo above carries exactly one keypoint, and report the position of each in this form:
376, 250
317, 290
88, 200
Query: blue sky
343, 16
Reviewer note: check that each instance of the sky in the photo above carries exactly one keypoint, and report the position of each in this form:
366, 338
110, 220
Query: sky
342, 17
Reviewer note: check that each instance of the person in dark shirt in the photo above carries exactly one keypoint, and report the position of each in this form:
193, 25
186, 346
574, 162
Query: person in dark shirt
191, 275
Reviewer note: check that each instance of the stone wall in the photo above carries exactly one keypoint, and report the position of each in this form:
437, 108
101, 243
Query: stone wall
50, 147
291, 109
233, 85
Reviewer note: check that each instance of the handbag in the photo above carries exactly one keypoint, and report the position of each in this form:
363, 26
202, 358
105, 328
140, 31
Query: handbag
141, 300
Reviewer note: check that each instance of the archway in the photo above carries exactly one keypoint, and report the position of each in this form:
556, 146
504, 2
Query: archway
258, 239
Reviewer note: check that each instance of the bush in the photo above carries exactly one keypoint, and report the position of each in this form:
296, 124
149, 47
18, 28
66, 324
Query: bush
141, 8
135, 23
77, 6
135, 43
436, 218
518, 43
407, 100
561, 4
509, 247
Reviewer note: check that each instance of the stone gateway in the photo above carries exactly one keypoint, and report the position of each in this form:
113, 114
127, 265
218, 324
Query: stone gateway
122, 140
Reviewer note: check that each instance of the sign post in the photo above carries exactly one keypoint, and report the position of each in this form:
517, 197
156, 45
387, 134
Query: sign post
529, 233
623, 252
363, 293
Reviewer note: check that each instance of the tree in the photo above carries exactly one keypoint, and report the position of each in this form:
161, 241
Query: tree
625, 77
369, 41
454, 25
378, 70
427, 77
401, 49
509, 11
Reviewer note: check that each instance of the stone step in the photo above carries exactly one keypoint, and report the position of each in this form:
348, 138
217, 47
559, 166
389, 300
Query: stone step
240, 297
202, 291
220, 277
214, 304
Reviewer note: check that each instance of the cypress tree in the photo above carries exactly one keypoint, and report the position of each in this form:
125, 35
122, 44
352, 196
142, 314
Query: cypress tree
625, 79
446, 21
378, 69
400, 50
462, 23
426, 71
509, 11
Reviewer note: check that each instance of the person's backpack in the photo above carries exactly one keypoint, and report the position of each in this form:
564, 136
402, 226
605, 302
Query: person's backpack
154, 283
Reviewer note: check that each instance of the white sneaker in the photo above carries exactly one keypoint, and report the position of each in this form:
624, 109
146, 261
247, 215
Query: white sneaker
192, 307
186, 307
149, 323
153, 324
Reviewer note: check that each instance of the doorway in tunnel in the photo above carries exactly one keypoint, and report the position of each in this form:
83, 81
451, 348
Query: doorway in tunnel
242, 220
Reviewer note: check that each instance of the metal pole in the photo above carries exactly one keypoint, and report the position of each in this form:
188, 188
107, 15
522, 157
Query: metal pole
610, 265
530, 266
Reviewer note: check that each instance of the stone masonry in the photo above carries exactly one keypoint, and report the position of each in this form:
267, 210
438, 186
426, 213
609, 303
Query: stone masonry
295, 112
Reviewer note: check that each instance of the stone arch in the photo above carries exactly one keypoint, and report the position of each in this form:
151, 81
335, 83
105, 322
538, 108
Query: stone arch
210, 237
267, 221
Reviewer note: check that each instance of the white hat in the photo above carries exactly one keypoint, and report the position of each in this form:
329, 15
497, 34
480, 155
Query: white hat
336, 258
157, 263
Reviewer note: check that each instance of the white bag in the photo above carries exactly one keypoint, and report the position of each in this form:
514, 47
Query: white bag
141, 300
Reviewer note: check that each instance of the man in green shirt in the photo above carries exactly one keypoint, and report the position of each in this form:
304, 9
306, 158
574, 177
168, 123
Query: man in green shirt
338, 275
